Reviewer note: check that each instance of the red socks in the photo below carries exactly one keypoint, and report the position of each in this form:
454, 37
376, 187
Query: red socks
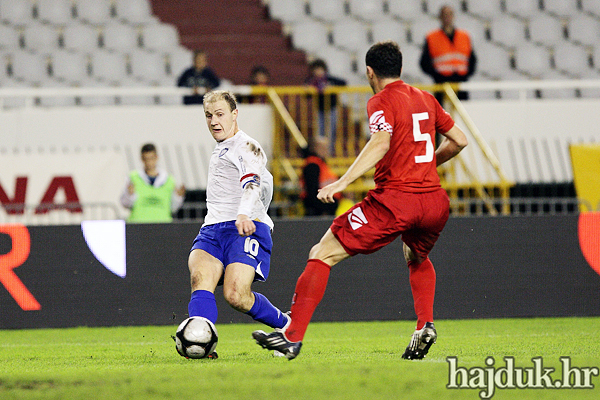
310, 289
422, 284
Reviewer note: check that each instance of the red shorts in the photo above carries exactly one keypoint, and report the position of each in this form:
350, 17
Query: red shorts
386, 214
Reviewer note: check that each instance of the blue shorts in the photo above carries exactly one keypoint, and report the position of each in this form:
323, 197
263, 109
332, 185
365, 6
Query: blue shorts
223, 242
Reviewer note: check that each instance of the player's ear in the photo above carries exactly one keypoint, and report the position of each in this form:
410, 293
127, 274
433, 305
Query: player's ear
235, 114
370, 72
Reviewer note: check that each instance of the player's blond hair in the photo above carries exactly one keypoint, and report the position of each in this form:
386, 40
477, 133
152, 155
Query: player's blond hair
216, 95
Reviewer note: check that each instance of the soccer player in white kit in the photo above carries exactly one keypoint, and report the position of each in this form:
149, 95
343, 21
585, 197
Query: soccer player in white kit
233, 247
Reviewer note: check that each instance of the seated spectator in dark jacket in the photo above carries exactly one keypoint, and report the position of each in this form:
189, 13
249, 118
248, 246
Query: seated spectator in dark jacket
200, 78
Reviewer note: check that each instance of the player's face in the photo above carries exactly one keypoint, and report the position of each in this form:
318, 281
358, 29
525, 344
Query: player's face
149, 159
221, 121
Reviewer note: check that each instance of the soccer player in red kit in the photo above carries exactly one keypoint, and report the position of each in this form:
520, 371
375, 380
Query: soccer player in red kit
408, 200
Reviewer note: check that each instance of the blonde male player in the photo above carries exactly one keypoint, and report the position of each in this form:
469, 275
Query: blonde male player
233, 247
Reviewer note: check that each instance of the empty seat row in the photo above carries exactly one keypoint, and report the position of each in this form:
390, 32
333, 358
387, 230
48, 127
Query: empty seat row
64, 12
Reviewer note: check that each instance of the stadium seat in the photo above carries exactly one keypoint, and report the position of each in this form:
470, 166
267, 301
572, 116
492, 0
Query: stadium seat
69, 66
327, 10
419, 28
108, 67
134, 11
411, 69
406, 10
120, 37
11, 102
80, 37
591, 6
94, 11
584, 29
135, 99
434, 6
16, 12
487, 10
29, 67
522, 8
9, 38
572, 60
368, 10
561, 8
350, 34
95, 100
310, 35
546, 30
178, 59
493, 60
507, 31
532, 60
288, 11
56, 101
339, 62
389, 29
148, 67
556, 93
475, 27
57, 12
40, 37
160, 37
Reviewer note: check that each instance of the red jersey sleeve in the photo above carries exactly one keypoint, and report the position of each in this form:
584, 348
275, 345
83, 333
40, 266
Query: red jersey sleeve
443, 121
381, 118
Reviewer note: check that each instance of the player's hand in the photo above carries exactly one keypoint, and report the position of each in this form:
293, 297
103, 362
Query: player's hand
245, 225
326, 193
181, 191
131, 189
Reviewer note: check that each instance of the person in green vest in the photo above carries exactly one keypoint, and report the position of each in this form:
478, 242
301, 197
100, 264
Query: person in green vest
151, 193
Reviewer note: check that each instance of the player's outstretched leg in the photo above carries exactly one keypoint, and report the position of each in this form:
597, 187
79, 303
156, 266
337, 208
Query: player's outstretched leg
420, 342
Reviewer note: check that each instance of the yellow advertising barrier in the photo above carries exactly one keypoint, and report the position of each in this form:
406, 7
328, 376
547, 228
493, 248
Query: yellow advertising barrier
585, 159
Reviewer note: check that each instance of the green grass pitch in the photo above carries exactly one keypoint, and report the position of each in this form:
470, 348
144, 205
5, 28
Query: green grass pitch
358, 360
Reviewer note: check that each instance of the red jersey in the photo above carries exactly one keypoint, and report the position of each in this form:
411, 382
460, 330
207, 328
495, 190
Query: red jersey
412, 117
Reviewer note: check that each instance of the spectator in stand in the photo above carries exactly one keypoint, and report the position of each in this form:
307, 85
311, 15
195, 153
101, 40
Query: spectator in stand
200, 78
151, 194
448, 54
319, 78
316, 174
259, 76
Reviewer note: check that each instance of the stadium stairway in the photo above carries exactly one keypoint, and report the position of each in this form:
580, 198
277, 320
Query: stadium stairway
236, 35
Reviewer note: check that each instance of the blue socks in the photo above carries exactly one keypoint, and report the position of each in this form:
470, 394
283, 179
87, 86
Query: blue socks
265, 312
203, 304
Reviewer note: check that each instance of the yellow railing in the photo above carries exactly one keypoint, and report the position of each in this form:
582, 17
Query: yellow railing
339, 114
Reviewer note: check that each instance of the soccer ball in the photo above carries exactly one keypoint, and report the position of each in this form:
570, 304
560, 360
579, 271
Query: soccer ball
196, 337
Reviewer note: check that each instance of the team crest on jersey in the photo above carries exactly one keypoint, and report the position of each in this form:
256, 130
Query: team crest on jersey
377, 123
222, 153
357, 218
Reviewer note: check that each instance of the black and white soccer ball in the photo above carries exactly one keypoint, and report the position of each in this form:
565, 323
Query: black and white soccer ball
196, 337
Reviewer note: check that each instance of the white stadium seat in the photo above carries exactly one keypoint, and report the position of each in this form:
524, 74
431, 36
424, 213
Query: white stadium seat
406, 10
368, 10
12, 102
419, 29
507, 31
95, 100
339, 62
108, 67
80, 37
493, 61
94, 11
56, 101
558, 93
30, 67
288, 11
411, 70
522, 8
487, 9
591, 6
147, 67
474, 26
9, 38
41, 37
69, 66
58, 12
134, 11
584, 29
532, 60
135, 99
121, 37
571, 59
351, 35
160, 37
389, 29
16, 12
546, 30
561, 8
178, 60
310, 35
327, 10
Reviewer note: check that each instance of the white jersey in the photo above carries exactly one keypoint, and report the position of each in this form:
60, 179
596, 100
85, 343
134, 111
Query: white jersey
238, 181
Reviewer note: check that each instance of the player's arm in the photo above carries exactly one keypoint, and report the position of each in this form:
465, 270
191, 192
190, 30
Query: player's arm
128, 196
370, 155
454, 141
251, 162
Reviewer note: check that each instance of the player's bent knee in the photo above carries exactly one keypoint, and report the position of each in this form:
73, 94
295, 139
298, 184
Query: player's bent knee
238, 300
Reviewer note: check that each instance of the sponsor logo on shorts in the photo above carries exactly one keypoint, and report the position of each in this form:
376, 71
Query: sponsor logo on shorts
357, 218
